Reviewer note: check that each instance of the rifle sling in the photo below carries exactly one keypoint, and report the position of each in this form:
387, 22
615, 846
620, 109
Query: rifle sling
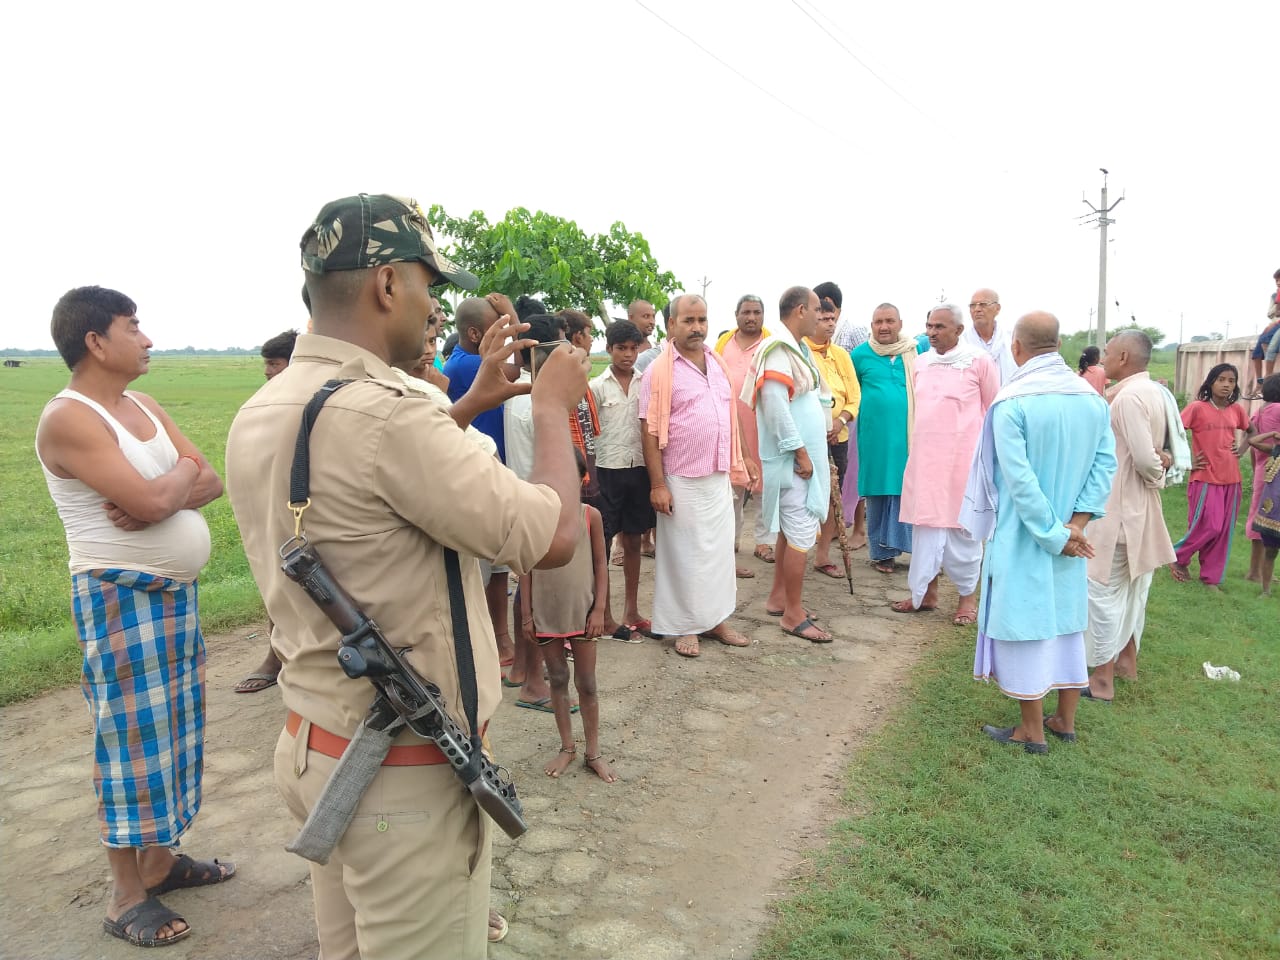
300, 493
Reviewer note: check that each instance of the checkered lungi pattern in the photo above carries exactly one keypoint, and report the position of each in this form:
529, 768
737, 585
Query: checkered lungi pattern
143, 677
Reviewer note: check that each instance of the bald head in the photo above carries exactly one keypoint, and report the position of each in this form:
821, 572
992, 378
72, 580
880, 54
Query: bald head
1036, 333
473, 318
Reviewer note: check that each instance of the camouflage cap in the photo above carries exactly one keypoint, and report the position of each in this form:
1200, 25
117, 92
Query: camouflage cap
369, 230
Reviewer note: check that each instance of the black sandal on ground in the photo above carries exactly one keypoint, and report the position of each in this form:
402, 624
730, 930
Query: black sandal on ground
139, 925
187, 872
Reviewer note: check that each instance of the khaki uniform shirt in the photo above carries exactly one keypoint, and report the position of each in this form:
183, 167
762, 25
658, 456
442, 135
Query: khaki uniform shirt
393, 482
1133, 509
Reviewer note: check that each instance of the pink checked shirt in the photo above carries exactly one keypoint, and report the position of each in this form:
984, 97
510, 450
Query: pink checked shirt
698, 437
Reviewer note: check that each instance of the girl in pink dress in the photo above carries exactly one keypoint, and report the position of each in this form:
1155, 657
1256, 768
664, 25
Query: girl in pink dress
1213, 493
1092, 370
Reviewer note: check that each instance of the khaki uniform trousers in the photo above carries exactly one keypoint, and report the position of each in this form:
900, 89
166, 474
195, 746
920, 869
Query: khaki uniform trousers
409, 880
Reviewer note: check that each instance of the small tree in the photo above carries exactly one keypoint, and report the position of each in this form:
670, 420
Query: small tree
555, 260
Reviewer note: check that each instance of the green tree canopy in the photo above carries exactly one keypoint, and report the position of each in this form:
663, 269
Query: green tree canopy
553, 259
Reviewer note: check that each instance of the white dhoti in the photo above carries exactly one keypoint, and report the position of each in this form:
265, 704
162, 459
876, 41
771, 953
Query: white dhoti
1029, 669
1117, 610
695, 586
937, 550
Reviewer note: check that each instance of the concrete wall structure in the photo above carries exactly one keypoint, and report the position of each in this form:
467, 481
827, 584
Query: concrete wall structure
1195, 360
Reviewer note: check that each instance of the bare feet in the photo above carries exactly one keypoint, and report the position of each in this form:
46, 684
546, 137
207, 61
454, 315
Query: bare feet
600, 767
1180, 572
560, 762
744, 574
857, 541
688, 646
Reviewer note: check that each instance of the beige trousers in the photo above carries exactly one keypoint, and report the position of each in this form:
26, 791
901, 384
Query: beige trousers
409, 880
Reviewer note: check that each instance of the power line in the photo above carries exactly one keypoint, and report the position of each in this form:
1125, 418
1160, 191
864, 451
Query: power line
858, 60
729, 66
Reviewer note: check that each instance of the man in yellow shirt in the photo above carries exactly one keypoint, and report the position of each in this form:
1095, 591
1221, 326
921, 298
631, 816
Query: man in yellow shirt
837, 369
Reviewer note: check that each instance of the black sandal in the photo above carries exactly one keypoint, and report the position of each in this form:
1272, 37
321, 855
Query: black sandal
139, 925
187, 872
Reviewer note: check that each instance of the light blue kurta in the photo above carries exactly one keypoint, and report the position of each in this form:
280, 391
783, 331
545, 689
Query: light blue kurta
1055, 456
784, 425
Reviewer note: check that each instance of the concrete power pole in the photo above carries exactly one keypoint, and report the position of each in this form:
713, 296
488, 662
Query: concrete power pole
705, 283
1103, 222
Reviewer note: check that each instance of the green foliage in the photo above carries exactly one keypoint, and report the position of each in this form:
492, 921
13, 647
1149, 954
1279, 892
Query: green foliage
555, 260
1153, 837
1073, 345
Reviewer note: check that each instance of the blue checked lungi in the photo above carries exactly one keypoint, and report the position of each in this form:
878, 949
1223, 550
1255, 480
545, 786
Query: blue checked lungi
143, 677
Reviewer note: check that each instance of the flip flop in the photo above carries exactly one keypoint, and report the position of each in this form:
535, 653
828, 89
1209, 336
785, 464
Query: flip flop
187, 872
884, 566
715, 636
796, 631
511, 684
499, 933
910, 609
765, 554
696, 651
965, 618
829, 570
808, 613
543, 705
267, 680
744, 574
1087, 694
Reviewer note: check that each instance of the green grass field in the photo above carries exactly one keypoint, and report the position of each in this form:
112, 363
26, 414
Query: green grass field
1157, 836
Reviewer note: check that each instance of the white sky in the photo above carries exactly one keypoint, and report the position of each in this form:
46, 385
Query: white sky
176, 152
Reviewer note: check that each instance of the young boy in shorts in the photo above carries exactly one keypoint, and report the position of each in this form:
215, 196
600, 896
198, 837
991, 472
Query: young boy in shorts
624, 481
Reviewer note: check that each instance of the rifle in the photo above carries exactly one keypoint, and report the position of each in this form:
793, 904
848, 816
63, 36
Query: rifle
404, 698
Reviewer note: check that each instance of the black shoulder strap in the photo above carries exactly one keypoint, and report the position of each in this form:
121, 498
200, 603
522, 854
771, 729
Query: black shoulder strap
299, 494
300, 472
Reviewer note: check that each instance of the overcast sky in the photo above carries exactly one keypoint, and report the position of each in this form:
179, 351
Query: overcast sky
905, 150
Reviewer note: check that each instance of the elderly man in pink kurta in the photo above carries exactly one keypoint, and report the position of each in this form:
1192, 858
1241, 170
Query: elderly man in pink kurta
1131, 540
955, 384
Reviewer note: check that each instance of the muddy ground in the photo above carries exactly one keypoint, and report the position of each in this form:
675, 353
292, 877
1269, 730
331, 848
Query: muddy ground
732, 767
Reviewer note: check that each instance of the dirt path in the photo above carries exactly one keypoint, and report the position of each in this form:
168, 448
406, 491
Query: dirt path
732, 768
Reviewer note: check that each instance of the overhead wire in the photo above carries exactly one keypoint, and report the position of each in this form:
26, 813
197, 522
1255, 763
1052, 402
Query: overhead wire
729, 66
858, 60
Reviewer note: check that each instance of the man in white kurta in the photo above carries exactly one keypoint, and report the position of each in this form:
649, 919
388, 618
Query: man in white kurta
1131, 542
987, 335
954, 385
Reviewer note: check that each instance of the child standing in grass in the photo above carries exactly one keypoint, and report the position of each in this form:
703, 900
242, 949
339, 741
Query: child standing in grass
567, 603
1264, 438
1213, 494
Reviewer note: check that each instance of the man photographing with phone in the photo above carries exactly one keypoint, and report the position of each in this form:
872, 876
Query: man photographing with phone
393, 484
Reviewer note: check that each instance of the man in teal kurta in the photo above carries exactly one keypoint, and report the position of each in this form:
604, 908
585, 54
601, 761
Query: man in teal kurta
885, 365
1043, 471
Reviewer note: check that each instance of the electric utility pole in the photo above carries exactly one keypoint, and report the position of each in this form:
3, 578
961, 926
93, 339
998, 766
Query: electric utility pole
705, 283
1103, 222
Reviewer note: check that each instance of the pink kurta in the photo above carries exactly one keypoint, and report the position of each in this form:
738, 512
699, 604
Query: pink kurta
739, 362
951, 402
